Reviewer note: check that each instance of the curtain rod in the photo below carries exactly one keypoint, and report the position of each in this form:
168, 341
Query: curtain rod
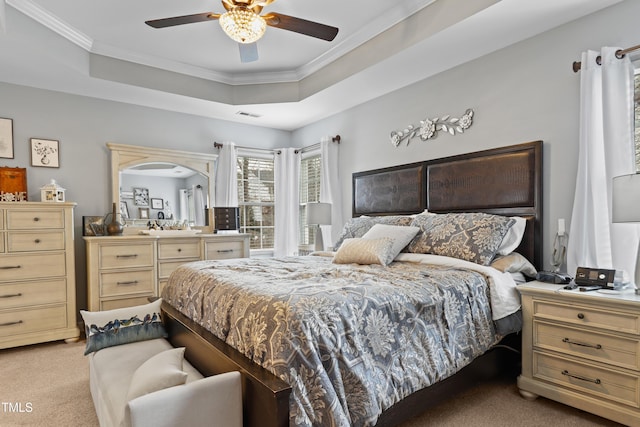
620, 53
301, 150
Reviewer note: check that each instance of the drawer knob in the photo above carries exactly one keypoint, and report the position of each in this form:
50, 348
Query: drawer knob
581, 378
179, 249
127, 256
225, 251
580, 316
129, 283
36, 219
37, 241
569, 341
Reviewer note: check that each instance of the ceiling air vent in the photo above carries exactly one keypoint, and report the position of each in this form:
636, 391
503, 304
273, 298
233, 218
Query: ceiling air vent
246, 114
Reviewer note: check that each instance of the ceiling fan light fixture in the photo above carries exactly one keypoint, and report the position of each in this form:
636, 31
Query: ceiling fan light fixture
243, 25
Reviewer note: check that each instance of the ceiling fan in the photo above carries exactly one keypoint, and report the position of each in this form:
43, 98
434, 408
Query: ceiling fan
243, 23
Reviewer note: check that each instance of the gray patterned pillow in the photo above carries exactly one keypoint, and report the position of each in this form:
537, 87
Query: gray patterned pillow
469, 236
357, 227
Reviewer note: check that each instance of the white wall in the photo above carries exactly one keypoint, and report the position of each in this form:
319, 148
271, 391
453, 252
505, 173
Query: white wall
522, 93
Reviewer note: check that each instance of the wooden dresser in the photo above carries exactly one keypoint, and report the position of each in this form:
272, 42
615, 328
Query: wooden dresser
582, 349
123, 271
37, 273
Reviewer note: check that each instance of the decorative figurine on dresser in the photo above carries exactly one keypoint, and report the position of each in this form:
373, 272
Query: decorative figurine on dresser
37, 273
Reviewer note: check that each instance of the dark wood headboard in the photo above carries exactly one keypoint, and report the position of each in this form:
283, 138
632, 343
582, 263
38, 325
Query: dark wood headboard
501, 181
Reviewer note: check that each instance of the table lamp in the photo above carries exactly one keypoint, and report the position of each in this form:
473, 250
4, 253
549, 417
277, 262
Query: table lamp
625, 199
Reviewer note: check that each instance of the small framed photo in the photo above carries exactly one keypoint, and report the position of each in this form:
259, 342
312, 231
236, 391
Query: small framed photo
45, 153
6, 138
144, 213
141, 196
124, 210
92, 226
157, 204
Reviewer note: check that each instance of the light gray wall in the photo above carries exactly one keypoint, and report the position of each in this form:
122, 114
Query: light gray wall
83, 125
522, 93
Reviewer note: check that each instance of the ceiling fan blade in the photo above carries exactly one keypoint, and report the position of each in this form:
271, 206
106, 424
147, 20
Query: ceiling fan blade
180, 20
248, 52
302, 26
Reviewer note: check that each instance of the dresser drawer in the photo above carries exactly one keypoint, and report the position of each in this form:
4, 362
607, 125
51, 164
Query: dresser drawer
224, 250
126, 283
124, 302
35, 219
617, 386
606, 348
178, 249
34, 320
125, 256
33, 293
588, 316
32, 266
165, 268
35, 241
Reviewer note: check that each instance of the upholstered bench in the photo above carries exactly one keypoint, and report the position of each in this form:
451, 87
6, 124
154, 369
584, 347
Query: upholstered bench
147, 382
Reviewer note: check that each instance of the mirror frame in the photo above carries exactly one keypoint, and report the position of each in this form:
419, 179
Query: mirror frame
125, 156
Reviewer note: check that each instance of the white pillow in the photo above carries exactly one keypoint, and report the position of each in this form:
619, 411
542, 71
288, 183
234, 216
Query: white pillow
514, 235
365, 251
401, 235
161, 371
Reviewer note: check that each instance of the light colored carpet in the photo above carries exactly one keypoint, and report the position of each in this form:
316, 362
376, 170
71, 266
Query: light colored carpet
53, 380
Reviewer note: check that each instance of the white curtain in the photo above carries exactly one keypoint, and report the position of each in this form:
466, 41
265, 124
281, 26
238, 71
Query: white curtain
226, 195
287, 201
199, 205
330, 189
606, 150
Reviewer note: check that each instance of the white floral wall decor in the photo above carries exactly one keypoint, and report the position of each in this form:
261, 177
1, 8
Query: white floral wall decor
429, 128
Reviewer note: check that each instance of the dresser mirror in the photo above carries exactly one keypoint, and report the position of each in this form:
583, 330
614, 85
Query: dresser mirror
167, 186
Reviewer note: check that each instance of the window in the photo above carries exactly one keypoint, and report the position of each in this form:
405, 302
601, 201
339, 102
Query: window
636, 99
309, 192
256, 200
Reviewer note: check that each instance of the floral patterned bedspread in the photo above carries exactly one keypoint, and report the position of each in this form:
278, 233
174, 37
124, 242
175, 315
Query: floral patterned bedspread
351, 340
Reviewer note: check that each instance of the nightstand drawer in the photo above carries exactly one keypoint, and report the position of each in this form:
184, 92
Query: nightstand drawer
25, 321
588, 316
35, 241
614, 385
33, 293
124, 302
610, 349
126, 283
178, 249
126, 256
32, 219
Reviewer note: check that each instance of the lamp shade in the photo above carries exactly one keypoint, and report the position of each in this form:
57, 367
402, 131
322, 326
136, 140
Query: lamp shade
626, 198
319, 213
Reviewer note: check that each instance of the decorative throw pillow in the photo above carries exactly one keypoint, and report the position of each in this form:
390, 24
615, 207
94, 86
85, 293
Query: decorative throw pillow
401, 235
513, 237
161, 371
365, 251
357, 227
472, 237
122, 325
514, 263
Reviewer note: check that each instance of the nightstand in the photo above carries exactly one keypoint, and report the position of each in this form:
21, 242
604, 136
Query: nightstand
582, 349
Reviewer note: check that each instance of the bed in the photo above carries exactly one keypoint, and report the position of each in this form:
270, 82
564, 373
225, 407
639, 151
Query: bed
326, 343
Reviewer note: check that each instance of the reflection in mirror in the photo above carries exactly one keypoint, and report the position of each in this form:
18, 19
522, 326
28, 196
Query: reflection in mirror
163, 191
167, 186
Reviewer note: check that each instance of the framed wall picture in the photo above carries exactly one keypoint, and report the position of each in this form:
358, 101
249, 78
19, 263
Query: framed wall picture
45, 153
141, 196
6, 138
143, 213
92, 226
157, 204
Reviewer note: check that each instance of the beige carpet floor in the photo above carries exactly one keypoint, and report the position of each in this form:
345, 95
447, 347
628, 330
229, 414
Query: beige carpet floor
48, 385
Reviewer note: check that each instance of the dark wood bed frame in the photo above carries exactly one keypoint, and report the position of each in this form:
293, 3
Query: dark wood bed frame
504, 181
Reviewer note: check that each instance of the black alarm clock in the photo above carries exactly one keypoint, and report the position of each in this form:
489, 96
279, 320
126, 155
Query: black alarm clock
595, 277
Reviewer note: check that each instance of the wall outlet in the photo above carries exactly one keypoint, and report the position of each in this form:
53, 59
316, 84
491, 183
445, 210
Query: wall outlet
561, 229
